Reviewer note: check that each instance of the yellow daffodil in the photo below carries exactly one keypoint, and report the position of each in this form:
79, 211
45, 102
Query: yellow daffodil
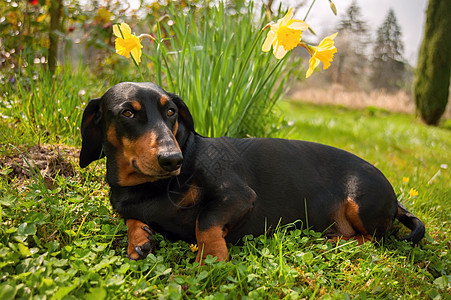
284, 35
193, 247
323, 53
127, 43
405, 179
413, 192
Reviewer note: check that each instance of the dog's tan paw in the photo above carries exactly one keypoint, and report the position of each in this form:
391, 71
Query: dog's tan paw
140, 240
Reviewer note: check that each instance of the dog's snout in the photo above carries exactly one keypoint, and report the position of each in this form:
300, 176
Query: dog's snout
170, 161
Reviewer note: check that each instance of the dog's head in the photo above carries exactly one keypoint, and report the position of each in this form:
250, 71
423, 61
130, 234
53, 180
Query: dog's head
140, 128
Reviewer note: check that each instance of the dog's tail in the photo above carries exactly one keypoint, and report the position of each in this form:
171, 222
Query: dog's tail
412, 222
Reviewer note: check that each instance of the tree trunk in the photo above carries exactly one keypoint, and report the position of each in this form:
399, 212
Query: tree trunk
55, 11
432, 76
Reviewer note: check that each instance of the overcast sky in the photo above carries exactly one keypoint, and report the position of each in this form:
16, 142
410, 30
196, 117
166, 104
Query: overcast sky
410, 15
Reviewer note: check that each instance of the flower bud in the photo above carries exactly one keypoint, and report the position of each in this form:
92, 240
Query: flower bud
333, 7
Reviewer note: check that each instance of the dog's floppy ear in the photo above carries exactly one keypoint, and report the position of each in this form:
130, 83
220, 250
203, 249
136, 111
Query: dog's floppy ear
184, 112
91, 133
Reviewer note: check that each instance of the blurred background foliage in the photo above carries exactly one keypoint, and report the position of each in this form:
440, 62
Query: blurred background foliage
191, 56
60, 36
84, 33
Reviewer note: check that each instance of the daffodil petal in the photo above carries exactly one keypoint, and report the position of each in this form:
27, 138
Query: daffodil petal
136, 53
274, 27
298, 25
287, 17
332, 36
326, 44
313, 63
279, 51
126, 30
122, 30
269, 40
116, 31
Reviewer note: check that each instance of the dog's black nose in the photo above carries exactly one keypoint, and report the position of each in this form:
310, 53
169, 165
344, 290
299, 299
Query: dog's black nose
170, 161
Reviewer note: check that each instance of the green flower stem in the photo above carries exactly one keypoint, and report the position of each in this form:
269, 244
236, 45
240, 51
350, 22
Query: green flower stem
304, 45
137, 66
310, 8
131, 55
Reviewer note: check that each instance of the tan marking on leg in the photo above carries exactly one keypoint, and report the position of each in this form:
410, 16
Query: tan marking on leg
342, 225
352, 214
348, 224
136, 105
136, 237
359, 238
363, 238
211, 242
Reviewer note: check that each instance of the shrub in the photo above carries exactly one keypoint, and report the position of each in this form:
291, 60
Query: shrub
431, 86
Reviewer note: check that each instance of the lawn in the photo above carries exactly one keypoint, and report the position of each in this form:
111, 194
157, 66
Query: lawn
60, 239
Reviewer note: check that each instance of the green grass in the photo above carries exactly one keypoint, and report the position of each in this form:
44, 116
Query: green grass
67, 243
48, 106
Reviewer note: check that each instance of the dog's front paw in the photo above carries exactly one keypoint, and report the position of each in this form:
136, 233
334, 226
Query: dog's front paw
140, 240
211, 242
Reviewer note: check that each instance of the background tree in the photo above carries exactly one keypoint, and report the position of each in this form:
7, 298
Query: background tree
22, 32
388, 66
351, 60
56, 13
432, 76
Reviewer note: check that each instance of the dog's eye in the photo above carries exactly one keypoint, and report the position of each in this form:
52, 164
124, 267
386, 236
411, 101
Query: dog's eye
128, 113
170, 112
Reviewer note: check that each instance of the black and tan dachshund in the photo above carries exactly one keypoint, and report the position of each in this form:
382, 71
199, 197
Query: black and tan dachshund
166, 178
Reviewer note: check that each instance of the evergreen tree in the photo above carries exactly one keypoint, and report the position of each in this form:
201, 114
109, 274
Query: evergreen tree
351, 59
352, 20
388, 67
432, 76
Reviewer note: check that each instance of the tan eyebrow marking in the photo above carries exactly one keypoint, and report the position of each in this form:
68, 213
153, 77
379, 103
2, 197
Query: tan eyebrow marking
164, 100
136, 105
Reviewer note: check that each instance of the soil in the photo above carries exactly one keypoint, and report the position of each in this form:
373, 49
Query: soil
48, 160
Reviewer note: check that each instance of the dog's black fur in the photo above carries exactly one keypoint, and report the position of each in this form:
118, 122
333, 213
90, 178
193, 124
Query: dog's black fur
166, 177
